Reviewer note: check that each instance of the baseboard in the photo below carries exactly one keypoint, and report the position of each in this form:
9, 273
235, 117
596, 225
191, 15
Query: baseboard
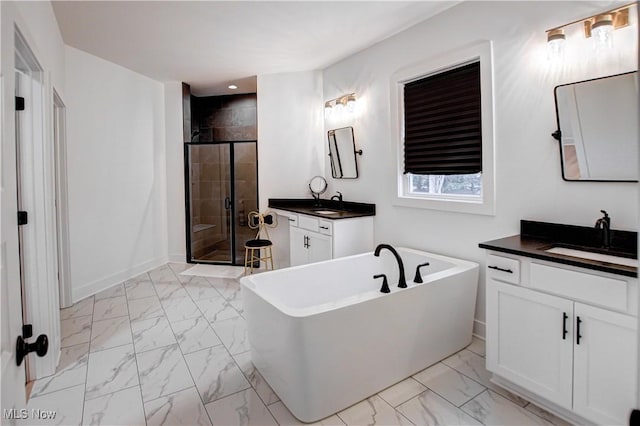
115, 279
480, 329
178, 257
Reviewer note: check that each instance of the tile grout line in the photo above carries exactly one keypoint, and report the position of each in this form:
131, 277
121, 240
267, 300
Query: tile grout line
487, 387
180, 348
226, 303
135, 355
86, 377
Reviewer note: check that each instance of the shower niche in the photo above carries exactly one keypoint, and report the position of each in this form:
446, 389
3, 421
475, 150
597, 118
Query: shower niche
221, 177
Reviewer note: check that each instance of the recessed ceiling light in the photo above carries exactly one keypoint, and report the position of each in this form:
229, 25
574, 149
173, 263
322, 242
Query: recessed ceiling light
233, 87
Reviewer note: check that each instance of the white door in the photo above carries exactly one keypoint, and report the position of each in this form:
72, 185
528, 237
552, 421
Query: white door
297, 246
529, 340
605, 365
319, 247
13, 376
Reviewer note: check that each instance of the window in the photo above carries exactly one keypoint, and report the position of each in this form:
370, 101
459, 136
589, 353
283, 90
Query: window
445, 132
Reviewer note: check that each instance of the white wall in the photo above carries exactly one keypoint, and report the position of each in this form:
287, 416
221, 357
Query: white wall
529, 182
290, 138
290, 150
175, 172
117, 172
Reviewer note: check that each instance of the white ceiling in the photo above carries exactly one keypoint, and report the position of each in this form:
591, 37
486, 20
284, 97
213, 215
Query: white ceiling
210, 44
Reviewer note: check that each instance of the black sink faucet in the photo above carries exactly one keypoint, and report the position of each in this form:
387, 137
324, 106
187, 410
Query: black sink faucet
339, 199
604, 223
402, 282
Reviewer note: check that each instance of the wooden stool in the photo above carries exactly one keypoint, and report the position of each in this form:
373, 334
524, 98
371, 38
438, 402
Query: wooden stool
253, 248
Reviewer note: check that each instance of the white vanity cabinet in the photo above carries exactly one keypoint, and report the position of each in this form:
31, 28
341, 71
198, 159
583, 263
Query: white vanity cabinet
313, 239
563, 336
308, 247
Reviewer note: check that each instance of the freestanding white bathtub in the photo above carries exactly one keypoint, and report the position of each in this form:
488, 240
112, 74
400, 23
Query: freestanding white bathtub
324, 336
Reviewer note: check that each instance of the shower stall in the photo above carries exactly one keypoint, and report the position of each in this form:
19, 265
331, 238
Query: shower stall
221, 178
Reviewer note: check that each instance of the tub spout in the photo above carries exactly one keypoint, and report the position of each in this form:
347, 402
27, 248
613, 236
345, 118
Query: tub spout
385, 284
402, 282
418, 277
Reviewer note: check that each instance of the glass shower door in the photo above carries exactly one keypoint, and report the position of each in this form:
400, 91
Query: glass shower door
245, 190
210, 215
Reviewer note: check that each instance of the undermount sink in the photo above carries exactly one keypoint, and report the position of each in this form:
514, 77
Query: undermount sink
327, 212
594, 256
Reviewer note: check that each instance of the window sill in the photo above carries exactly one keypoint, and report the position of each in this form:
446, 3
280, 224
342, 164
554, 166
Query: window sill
479, 207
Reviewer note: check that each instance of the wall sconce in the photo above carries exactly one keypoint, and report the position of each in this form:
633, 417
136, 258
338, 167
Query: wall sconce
338, 106
600, 27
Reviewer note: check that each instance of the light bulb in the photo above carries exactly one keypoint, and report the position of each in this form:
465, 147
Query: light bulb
327, 109
351, 104
602, 32
555, 44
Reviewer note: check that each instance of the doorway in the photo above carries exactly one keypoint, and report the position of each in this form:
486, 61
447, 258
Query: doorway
221, 177
61, 199
222, 188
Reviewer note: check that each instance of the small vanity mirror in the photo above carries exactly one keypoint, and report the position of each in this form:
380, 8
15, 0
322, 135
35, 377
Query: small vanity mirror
598, 128
342, 153
317, 186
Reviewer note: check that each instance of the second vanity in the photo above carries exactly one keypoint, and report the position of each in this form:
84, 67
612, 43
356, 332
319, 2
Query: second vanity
325, 229
562, 329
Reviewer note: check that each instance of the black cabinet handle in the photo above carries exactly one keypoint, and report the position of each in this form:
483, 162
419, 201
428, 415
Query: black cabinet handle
227, 203
291, 220
497, 268
565, 317
324, 227
578, 335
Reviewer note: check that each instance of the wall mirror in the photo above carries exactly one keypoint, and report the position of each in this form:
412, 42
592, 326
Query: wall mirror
342, 153
598, 128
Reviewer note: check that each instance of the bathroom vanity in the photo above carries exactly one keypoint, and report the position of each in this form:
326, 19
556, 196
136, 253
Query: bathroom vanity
325, 229
562, 328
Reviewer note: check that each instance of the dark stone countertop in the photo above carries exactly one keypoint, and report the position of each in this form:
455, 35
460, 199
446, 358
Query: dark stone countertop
308, 206
536, 237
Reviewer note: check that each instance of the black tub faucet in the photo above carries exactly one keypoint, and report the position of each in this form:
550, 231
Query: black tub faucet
418, 277
385, 285
402, 282
604, 223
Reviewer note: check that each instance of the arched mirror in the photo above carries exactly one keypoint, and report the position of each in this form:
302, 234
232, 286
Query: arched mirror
342, 153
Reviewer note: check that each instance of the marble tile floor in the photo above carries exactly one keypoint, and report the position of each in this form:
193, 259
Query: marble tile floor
168, 349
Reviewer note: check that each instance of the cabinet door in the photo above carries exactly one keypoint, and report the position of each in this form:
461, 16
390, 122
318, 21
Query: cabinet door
319, 247
605, 365
526, 340
298, 253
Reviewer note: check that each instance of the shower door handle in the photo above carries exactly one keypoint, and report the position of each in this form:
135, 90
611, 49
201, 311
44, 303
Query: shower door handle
227, 203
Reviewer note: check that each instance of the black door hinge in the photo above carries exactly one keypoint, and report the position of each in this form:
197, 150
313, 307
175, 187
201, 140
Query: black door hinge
19, 103
23, 218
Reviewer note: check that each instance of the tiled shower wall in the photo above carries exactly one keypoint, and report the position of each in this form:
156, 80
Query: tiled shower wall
225, 118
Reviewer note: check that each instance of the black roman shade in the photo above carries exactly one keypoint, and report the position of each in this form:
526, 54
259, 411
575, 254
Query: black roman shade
442, 121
